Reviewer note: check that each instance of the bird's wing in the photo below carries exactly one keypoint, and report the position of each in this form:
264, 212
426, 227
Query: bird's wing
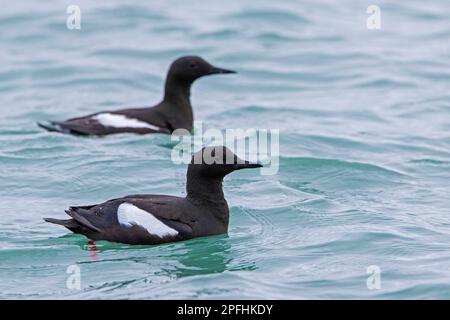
110, 122
142, 219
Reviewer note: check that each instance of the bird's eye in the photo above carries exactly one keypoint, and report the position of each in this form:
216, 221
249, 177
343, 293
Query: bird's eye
193, 65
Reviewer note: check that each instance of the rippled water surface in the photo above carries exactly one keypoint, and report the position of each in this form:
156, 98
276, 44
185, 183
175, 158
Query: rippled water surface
364, 119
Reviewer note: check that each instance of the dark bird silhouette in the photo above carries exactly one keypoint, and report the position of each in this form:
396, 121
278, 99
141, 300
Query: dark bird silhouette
173, 112
153, 219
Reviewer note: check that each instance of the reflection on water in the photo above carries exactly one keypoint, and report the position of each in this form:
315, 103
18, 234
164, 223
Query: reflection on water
188, 258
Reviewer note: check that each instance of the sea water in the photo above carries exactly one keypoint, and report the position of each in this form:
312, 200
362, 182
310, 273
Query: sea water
359, 208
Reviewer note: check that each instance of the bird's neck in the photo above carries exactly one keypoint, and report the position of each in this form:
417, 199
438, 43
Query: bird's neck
176, 104
177, 92
206, 191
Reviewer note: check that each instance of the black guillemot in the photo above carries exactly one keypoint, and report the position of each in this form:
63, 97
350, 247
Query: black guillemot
173, 112
154, 219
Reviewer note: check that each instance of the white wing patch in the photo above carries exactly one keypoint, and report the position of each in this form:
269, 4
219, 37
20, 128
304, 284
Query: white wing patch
121, 121
129, 215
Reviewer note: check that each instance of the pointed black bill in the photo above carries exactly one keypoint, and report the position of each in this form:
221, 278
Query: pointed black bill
247, 165
216, 70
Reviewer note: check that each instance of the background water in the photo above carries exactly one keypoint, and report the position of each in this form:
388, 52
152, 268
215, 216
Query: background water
364, 119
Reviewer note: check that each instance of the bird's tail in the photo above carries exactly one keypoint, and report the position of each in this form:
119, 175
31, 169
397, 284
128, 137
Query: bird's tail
65, 223
78, 224
57, 127
50, 127
70, 224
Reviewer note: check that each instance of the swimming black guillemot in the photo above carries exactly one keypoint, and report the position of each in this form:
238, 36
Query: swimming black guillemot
173, 112
154, 219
